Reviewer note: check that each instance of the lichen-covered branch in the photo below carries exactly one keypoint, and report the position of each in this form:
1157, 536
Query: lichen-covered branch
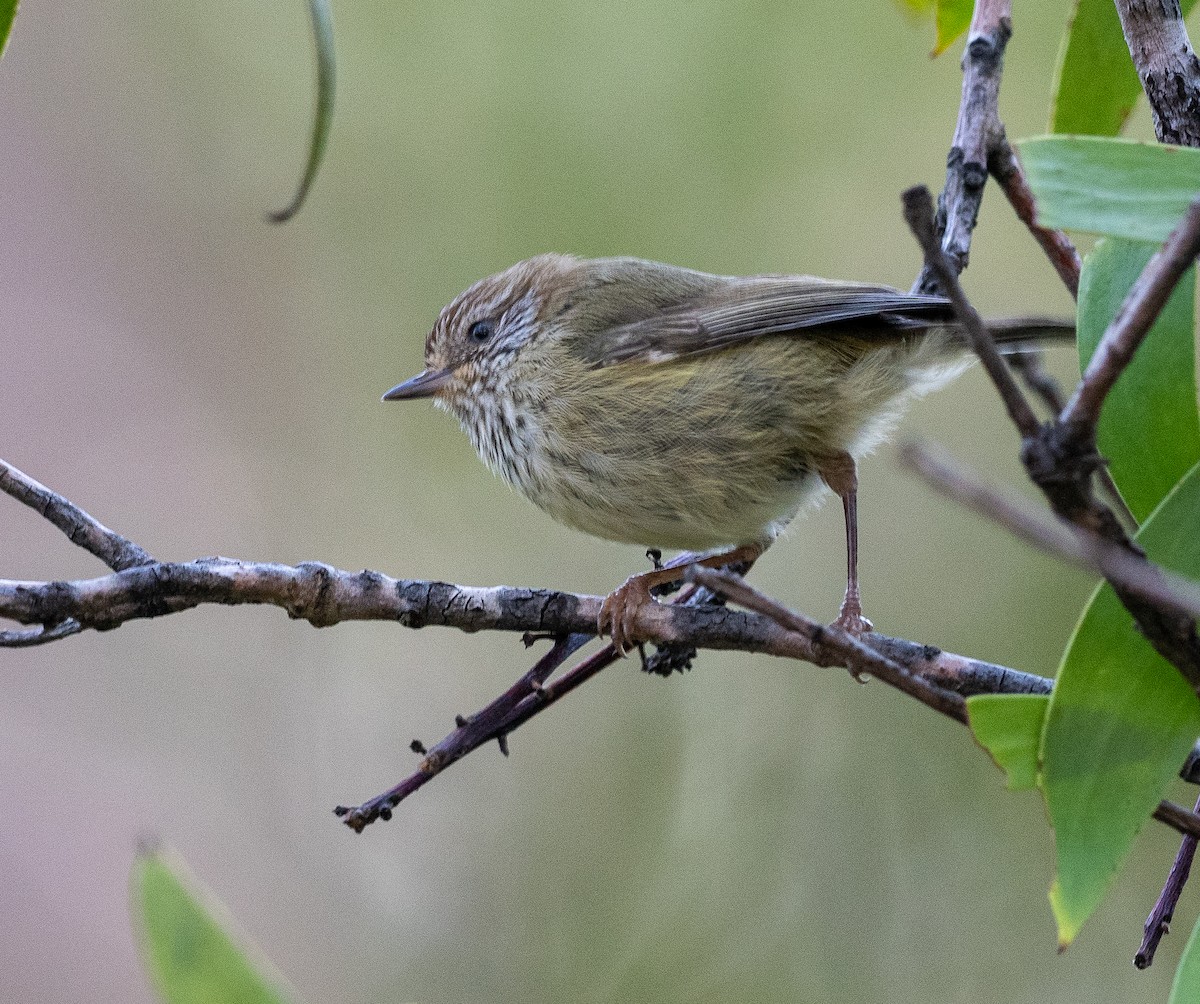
976, 133
1167, 66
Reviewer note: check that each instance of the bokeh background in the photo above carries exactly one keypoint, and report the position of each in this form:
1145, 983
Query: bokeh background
206, 383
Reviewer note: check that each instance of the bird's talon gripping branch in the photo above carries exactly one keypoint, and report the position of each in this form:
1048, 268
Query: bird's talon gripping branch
618, 612
853, 622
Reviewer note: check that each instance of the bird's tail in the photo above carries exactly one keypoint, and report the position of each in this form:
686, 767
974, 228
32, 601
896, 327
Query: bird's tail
1012, 334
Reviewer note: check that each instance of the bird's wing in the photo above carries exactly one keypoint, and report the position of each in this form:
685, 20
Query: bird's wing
769, 305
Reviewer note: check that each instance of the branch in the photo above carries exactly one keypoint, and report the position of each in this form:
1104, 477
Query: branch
1006, 169
524, 699
1159, 921
918, 213
1055, 536
1133, 321
1167, 66
81, 529
832, 645
860, 657
975, 133
1061, 456
325, 596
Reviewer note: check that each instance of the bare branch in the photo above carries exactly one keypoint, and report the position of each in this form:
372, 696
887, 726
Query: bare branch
1028, 364
83, 530
1142, 306
918, 212
524, 699
1044, 531
39, 635
860, 656
324, 596
1061, 458
1178, 818
1006, 169
1159, 921
1166, 65
975, 134
832, 645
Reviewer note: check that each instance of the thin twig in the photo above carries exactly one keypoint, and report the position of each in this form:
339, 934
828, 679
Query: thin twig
859, 656
1142, 306
1055, 536
1006, 169
1028, 364
1178, 818
918, 213
833, 645
1159, 921
1061, 459
83, 530
524, 699
976, 132
40, 635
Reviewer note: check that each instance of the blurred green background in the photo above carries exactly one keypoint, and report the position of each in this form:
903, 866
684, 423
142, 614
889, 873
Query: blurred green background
206, 383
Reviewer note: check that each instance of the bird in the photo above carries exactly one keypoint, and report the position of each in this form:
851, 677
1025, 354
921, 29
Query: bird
657, 405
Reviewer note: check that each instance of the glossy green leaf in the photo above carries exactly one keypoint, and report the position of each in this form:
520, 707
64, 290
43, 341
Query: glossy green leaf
1009, 727
953, 18
1186, 988
8, 11
1121, 721
322, 24
187, 945
1095, 85
1110, 186
1149, 428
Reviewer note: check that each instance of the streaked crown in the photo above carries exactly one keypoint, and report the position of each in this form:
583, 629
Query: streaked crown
493, 319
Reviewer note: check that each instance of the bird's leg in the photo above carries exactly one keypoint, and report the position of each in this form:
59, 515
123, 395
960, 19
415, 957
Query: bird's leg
838, 471
618, 612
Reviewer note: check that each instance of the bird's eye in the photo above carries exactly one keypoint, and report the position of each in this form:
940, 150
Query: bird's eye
481, 331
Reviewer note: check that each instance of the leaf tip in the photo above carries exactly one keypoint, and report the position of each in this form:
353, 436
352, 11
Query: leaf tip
1068, 925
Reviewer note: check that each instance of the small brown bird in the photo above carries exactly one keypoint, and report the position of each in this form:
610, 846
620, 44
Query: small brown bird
655, 405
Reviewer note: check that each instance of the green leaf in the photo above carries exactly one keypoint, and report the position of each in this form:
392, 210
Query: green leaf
187, 947
1186, 988
953, 18
1095, 85
1110, 186
1120, 723
322, 24
1009, 727
8, 11
1149, 428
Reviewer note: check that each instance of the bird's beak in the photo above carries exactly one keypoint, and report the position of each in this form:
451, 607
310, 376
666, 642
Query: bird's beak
425, 384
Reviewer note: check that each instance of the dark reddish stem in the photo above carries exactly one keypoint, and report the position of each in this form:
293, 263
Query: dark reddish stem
1159, 921
524, 699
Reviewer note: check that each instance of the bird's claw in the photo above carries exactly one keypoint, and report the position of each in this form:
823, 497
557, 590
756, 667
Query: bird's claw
618, 613
853, 623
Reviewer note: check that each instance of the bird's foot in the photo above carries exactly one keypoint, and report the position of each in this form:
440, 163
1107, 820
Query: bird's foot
855, 624
618, 612
850, 618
